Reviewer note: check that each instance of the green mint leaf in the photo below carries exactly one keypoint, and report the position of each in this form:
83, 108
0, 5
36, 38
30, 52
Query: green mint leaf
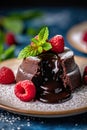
28, 51
8, 53
40, 49
25, 15
25, 52
2, 36
34, 40
38, 45
1, 48
46, 46
43, 34
13, 25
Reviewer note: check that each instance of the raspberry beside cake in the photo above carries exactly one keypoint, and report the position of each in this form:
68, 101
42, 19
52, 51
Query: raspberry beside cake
53, 71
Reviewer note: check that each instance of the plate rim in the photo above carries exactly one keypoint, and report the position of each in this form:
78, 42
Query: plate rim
70, 32
35, 113
38, 113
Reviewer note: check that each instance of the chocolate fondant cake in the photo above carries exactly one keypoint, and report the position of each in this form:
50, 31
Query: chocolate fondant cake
55, 75
51, 67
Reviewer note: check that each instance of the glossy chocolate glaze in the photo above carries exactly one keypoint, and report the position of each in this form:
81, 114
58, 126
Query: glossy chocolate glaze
54, 92
50, 66
52, 89
54, 75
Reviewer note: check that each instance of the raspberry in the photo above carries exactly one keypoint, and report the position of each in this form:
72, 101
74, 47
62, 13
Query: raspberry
10, 39
6, 75
57, 43
85, 75
25, 90
85, 79
85, 71
85, 37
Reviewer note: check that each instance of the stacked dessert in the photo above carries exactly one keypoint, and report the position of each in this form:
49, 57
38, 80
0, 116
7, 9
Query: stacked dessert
50, 67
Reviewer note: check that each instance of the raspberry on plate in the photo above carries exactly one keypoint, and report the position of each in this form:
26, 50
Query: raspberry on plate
25, 90
10, 39
85, 79
57, 43
85, 75
6, 75
85, 71
85, 36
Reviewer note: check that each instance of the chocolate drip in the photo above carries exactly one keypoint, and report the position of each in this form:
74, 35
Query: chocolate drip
52, 89
53, 92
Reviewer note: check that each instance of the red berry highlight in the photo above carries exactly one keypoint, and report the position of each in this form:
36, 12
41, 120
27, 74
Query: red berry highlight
57, 43
25, 90
10, 39
85, 79
85, 71
85, 37
6, 75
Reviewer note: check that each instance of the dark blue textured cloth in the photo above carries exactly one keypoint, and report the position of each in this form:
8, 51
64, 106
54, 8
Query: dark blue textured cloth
9, 121
59, 20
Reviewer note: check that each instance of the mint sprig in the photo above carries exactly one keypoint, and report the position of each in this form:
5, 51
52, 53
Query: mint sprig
39, 44
43, 35
6, 54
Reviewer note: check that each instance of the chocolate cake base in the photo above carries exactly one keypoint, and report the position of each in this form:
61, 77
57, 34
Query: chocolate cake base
54, 75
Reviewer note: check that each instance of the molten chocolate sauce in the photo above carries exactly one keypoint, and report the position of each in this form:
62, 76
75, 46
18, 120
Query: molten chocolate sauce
52, 89
54, 92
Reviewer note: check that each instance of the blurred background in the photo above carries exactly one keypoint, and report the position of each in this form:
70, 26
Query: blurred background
22, 20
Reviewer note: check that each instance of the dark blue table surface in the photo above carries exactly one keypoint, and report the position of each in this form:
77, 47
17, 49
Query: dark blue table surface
59, 20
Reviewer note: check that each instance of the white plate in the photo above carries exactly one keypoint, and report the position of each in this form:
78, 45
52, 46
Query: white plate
74, 36
9, 102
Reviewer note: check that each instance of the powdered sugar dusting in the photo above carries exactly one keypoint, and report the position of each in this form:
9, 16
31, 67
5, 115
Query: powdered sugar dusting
7, 97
